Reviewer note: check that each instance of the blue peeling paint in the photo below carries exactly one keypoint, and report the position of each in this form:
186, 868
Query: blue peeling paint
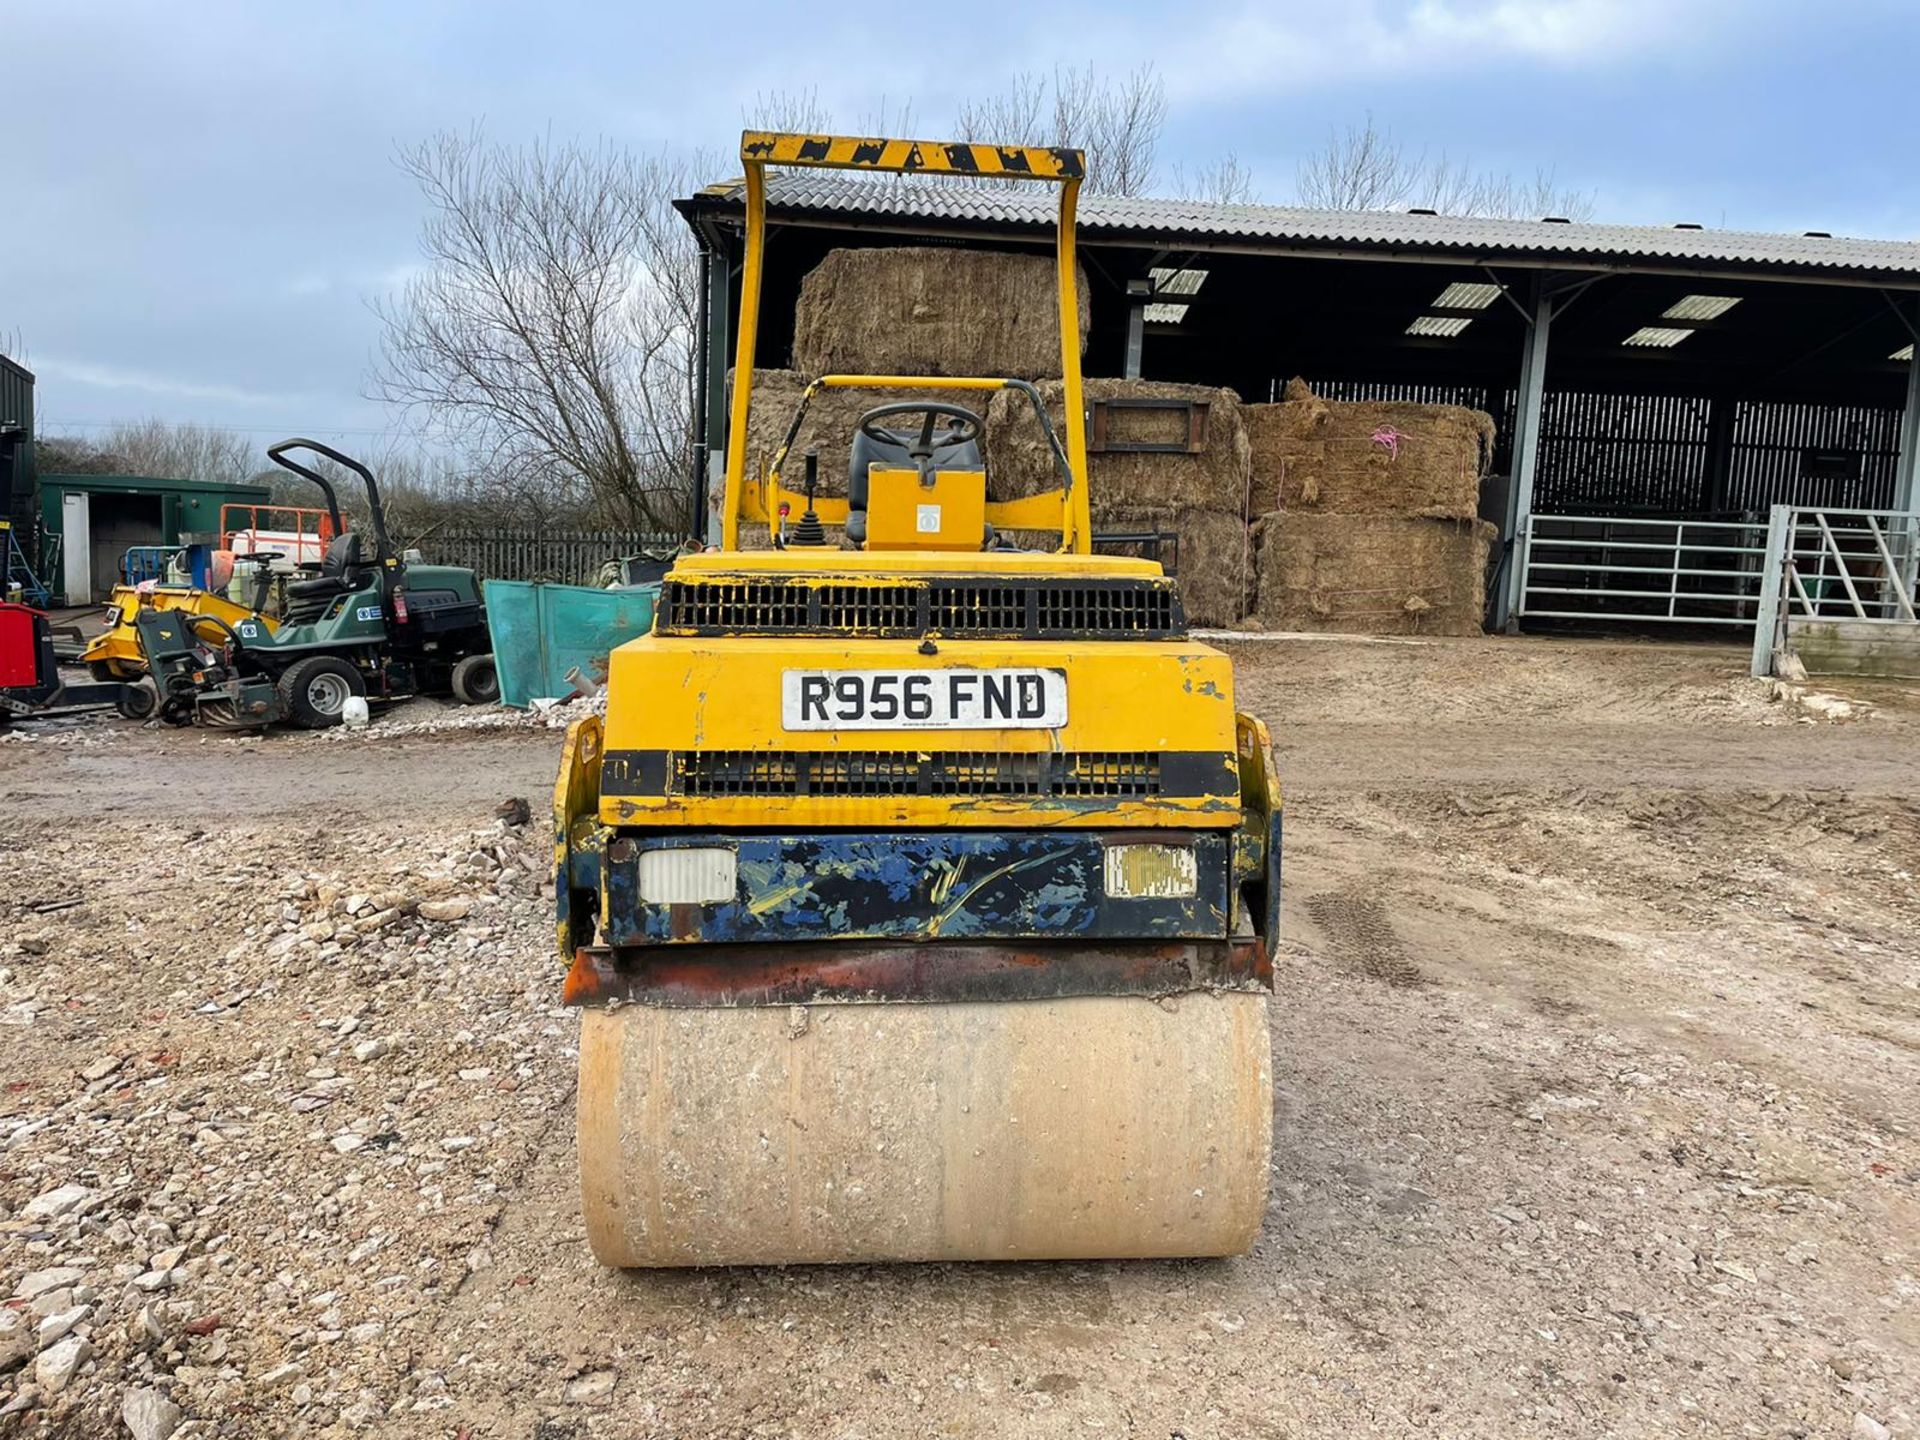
918, 885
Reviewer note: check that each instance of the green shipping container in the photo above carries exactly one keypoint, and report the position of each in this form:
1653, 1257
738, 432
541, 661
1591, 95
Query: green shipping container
541, 632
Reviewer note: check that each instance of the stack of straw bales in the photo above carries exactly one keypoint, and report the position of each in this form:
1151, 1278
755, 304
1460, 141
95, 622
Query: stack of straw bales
1367, 515
936, 311
1199, 496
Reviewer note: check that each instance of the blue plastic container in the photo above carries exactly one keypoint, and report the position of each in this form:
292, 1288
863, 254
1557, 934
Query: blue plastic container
541, 632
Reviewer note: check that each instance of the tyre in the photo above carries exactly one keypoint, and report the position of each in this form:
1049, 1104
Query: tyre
315, 690
138, 699
476, 681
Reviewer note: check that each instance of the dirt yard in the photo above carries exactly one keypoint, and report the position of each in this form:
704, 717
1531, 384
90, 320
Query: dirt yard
1596, 1039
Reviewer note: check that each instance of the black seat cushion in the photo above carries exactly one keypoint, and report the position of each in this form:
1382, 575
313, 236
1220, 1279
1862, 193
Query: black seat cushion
338, 571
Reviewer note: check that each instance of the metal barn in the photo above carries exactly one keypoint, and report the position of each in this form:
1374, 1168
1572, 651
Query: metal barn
1657, 389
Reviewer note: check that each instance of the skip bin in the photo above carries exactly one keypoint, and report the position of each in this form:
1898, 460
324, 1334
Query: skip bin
541, 632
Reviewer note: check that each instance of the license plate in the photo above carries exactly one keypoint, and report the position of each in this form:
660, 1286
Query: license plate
923, 699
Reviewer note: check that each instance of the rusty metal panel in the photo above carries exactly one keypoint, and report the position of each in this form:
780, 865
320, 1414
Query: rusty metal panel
744, 975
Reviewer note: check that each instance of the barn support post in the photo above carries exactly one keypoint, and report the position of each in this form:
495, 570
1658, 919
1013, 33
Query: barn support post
715, 344
1529, 401
1906, 471
1139, 294
1773, 584
1719, 476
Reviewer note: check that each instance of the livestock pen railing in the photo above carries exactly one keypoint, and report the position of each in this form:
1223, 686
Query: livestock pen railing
1617, 567
1839, 588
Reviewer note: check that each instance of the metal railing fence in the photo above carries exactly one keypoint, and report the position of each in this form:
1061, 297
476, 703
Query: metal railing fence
1856, 566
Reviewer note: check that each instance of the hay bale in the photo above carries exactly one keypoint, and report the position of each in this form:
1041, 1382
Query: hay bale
1019, 461
1368, 457
1372, 574
908, 310
1215, 557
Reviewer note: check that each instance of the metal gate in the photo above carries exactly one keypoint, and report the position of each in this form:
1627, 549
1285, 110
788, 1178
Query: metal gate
1838, 590
1617, 567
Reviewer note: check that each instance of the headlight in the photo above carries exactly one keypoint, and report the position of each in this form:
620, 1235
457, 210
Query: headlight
704, 876
1150, 872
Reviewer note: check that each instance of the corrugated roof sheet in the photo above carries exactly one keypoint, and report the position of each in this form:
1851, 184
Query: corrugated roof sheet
1281, 226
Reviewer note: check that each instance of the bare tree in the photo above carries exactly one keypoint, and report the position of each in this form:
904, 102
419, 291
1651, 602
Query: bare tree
792, 112
1117, 120
1223, 182
171, 450
1016, 114
550, 329
1365, 168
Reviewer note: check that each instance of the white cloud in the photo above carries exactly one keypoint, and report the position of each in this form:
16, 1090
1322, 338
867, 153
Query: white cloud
1259, 48
115, 377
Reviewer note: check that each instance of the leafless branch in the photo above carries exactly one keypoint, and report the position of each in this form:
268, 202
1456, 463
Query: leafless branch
549, 331
1117, 120
1223, 182
173, 451
1365, 168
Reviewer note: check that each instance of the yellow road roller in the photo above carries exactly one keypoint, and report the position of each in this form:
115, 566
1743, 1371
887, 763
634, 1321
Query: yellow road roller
918, 888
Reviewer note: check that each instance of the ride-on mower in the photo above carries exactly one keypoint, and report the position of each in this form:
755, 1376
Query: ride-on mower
919, 891
382, 626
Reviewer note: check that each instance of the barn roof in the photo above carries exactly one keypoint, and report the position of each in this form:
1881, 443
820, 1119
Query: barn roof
976, 210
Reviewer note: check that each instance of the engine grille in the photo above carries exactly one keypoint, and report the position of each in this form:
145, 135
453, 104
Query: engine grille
1046, 609
1086, 774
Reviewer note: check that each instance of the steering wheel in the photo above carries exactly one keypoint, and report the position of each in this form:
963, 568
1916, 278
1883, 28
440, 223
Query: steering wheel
193, 627
967, 424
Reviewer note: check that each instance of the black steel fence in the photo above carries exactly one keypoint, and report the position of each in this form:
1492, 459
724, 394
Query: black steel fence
570, 557
1664, 455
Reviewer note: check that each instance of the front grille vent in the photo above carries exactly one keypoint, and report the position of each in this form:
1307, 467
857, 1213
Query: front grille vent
1051, 609
1086, 774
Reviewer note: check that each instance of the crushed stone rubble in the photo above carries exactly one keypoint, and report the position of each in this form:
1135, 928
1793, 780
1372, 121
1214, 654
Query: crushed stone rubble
1594, 1113
421, 716
245, 1202
425, 716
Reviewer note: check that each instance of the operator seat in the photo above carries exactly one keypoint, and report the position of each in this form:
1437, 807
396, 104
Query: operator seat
339, 574
896, 452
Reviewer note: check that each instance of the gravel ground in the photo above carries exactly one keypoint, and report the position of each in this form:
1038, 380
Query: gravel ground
1597, 1037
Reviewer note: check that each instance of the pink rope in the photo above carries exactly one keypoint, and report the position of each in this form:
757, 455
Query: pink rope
1388, 436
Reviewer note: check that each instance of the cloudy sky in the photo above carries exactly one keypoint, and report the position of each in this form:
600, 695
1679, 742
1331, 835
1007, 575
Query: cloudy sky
201, 199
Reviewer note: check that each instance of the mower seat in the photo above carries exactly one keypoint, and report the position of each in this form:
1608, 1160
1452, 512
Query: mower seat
897, 450
339, 575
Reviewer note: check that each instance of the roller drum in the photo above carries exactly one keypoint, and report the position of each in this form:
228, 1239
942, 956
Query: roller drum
1087, 1127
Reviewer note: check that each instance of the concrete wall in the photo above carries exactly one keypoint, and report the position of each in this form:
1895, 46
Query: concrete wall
1856, 647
